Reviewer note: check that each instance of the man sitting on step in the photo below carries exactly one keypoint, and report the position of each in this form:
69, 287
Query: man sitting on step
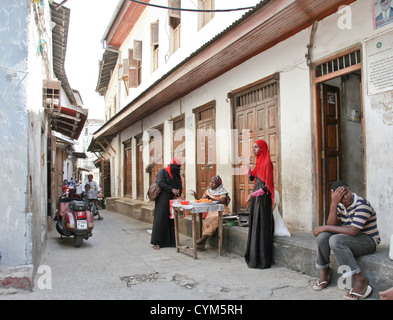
351, 231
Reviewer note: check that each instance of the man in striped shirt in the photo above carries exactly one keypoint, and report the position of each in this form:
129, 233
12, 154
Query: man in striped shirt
351, 231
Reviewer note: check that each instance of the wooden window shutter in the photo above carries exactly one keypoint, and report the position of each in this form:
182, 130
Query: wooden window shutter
123, 71
154, 33
137, 50
174, 4
133, 71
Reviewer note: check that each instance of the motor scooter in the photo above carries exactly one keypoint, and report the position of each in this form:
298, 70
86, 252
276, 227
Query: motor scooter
101, 200
74, 218
91, 199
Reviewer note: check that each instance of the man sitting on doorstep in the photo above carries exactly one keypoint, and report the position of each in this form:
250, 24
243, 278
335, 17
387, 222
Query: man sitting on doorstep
351, 231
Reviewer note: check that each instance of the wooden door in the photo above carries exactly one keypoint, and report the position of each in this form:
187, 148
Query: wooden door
255, 117
330, 141
106, 178
245, 123
139, 168
206, 146
128, 169
156, 153
179, 148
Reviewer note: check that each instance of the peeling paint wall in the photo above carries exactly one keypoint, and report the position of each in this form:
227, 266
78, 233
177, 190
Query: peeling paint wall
24, 132
14, 134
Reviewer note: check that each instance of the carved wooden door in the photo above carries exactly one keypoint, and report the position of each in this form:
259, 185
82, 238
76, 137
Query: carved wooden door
179, 148
330, 141
255, 117
206, 146
139, 167
127, 169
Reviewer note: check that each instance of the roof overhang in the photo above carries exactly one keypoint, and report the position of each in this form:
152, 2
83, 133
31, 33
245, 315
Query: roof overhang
62, 139
79, 155
61, 17
101, 144
107, 64
125, 17
69, 121
270, 23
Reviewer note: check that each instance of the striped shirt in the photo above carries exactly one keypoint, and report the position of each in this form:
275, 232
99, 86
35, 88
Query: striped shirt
360, 214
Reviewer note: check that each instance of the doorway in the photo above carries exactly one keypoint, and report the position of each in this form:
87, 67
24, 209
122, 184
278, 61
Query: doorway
179, 147
255, 116
127, 169
106, 178
139, 167
340, 139
205, 145
156, 147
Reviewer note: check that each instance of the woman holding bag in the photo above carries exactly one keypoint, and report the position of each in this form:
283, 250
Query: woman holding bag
259, 250
169, 180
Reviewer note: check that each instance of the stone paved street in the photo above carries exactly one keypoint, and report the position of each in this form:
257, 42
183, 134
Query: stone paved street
119, 263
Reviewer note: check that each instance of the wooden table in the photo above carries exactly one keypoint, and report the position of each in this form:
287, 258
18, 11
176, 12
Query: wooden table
196, 209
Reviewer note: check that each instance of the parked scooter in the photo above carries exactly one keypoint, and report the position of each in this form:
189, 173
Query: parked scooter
74, 218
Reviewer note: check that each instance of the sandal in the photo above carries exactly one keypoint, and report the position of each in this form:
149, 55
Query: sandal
322, 285
358, 296
156, 247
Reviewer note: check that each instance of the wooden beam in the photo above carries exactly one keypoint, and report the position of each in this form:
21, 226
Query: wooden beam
106, 141
105, 149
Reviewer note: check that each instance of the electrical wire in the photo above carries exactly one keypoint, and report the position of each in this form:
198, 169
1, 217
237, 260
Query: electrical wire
192, 10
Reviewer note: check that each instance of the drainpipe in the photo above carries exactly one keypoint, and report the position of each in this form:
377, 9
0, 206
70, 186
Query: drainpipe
310, 45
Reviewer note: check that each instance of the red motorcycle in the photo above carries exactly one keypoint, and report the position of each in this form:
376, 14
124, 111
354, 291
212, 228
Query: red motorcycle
74, 218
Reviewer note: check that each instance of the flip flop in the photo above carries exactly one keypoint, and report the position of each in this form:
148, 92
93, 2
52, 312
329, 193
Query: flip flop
322, 285
358, 296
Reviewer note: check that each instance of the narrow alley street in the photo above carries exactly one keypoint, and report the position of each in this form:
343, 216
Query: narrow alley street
118, 263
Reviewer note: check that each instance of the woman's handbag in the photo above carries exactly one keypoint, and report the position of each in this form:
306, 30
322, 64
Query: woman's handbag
153, 191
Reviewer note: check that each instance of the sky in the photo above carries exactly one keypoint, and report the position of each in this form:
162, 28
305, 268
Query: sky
88, 22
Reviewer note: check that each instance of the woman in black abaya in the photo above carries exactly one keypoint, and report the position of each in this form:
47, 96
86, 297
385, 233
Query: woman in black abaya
259, 250
168, 179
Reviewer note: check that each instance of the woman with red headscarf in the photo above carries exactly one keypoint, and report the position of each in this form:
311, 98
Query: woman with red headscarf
259, 250
169, 180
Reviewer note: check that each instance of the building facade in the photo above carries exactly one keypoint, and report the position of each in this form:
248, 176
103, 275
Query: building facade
312, 79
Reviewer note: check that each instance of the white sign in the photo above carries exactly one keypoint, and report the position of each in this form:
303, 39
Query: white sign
380, 64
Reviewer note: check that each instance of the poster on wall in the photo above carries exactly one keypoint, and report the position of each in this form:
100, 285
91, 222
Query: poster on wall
380, 64
382, 13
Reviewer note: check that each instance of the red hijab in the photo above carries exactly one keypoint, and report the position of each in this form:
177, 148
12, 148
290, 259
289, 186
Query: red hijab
264, 167
175, 161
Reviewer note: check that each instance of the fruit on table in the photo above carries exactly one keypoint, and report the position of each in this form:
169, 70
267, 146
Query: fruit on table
203, 201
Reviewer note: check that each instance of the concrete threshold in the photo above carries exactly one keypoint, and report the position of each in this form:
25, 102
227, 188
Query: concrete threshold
297, 252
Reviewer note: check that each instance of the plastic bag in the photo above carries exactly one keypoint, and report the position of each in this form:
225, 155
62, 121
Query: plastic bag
280, 228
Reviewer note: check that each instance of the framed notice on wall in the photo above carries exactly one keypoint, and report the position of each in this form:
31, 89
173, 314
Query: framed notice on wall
380, 64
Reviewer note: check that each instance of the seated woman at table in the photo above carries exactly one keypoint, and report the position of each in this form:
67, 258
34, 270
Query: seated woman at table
215, 192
